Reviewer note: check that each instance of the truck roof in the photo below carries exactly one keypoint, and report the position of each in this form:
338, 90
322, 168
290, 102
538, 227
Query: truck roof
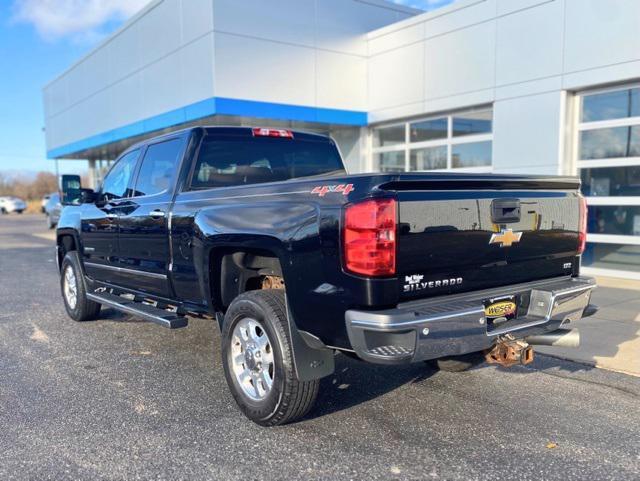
231, 130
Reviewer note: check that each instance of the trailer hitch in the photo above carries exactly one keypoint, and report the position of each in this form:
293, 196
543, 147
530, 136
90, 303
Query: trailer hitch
509, 351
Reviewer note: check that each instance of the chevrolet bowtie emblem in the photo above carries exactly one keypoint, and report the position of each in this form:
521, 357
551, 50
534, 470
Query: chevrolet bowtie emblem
506, 238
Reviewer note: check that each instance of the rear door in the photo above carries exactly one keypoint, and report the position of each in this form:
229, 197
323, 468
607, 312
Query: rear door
144, 254
100, 220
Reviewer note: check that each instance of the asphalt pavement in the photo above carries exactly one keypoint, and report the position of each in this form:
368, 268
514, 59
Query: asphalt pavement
122, 399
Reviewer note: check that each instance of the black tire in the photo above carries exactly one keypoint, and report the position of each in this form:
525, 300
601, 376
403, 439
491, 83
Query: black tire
460, 363
84, 309
50, 223
288, 399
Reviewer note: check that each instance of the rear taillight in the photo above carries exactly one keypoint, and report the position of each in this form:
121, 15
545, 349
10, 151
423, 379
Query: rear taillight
582, 232
369, 237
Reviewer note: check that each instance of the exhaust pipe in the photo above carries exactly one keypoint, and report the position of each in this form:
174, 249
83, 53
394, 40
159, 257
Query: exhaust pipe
559, 338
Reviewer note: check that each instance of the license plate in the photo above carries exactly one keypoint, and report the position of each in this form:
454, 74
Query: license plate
499, 311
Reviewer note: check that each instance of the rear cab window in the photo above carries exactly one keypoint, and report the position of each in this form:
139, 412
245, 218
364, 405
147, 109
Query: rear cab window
227, 160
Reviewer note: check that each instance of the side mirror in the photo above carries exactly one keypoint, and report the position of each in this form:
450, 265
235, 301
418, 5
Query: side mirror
71, 190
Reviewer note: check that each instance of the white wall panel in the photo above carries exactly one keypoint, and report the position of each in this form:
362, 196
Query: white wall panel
521, 89
622, 72
196, 70
125, 54
161, 86
601, 33
528, 44
58, 95
268, 71
197, 19
461, 15
461, 61
127, 100
455, 102
340, 81
398, 112
290, 21
510, 6
338, 23
397, 77
527, 132
160, 31
397, 39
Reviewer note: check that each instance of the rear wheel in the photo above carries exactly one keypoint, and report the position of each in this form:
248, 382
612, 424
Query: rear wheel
74, 291
460, 363
257, 357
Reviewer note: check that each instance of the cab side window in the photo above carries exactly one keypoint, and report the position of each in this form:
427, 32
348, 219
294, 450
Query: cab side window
159, 167
116, 183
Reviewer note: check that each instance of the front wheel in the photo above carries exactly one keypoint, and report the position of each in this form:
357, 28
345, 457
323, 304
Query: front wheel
257, 357
74, 291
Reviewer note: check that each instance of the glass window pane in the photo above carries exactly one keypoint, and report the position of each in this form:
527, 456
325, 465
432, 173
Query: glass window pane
612, 256
158, 167
634, 142
228, 160
389, 136
611, 105
616, 220
390, 161
475, 154
472, 123
433, 129
116, 184
428, 159
604, 143
611, 181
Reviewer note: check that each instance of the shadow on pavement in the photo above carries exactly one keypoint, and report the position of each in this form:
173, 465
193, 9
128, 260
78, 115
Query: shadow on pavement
355, 382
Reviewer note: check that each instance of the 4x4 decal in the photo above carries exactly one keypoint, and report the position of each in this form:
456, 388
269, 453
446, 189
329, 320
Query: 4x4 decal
322, 190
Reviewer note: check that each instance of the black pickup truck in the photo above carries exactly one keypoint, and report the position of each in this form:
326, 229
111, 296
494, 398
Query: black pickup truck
263, 231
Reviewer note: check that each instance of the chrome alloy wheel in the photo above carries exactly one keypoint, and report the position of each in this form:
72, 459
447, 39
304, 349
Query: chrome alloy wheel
70, 287
252, 358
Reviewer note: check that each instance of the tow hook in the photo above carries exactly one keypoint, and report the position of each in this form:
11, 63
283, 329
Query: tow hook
510, 351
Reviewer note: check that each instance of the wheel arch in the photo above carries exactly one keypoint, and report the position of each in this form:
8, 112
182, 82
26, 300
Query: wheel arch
67, 240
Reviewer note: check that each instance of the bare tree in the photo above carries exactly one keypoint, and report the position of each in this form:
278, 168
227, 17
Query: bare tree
44, 183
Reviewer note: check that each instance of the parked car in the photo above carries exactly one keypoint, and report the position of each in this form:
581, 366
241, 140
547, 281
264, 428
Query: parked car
53, 209
12, 204
43, 203
264, 231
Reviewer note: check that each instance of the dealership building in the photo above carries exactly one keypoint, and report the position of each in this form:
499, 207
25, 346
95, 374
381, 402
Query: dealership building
504, 86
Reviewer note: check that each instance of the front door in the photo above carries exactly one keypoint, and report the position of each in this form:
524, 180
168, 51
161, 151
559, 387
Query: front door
100, 221
144, 255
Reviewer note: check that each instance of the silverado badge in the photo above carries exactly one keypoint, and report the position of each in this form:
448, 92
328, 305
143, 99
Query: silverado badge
506, 238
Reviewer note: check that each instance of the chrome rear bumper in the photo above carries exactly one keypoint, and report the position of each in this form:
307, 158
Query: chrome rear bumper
449, 325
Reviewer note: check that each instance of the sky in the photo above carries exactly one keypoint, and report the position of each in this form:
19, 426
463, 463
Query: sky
38, 40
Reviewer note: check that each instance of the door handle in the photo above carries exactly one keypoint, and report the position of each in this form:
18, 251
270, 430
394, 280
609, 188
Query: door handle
157, 214
112, 215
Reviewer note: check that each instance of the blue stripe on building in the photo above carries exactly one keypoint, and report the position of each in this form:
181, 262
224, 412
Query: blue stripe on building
216, 106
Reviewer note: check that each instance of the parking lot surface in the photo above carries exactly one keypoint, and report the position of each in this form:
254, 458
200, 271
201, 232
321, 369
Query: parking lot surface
122, 399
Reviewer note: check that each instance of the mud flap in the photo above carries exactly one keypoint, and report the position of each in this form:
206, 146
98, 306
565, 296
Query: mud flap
311, 358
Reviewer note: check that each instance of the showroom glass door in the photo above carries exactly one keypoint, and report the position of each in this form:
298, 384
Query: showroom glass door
608, 152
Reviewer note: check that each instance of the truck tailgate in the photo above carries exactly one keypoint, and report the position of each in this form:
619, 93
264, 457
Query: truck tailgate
456, 236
